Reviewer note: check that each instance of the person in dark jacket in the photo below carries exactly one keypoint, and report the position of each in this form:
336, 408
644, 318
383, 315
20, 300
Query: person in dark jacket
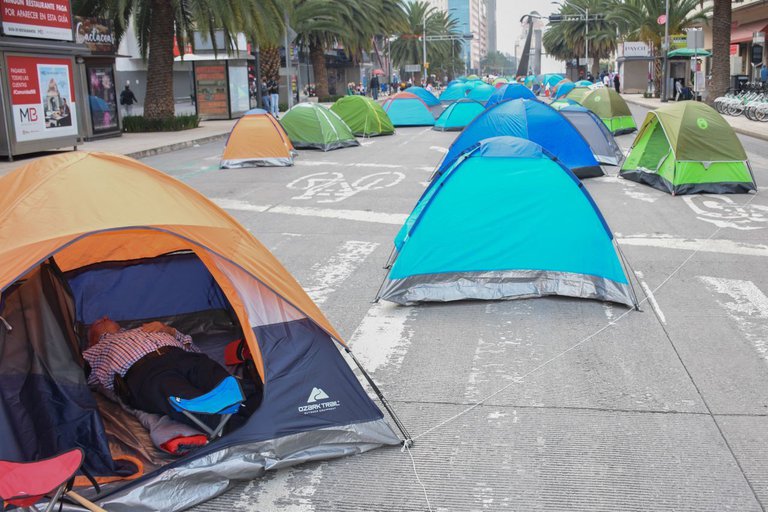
374, 85
616, 82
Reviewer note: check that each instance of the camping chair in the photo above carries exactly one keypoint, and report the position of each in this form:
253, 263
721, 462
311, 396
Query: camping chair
22, 484
224, 400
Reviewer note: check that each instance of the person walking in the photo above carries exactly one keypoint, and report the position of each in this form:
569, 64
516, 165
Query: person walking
274, 98
616, 82
266, 102
127, 99
374, 85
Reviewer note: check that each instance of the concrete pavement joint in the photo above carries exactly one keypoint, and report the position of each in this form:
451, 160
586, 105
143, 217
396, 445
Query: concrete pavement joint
176, 146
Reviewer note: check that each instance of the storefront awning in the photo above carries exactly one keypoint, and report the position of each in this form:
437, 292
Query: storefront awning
743, 33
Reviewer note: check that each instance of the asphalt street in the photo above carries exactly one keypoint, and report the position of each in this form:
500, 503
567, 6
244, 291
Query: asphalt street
542, 404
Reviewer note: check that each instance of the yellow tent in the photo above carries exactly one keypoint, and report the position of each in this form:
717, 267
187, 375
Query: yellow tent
257, 140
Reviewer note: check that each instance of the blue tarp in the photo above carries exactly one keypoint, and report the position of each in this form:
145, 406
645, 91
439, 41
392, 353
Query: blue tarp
510, 92
408, 111
509, 186
535, 121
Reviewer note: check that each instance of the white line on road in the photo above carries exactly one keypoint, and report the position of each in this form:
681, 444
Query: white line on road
396, 219
237, 204
651, 297
749, 309
439, 149
329, 275
697, 244
381, 338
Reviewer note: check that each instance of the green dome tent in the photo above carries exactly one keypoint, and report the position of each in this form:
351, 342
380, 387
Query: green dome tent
312, 126
688, 148
364, 116
578, 93
611, 108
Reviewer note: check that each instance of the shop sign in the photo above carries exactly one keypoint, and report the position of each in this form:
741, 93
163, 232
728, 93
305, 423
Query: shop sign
636, 49
42, 97
734, 49
41, 19
97, 34
678, 41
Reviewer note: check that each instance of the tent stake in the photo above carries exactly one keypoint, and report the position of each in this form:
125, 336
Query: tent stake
408, 440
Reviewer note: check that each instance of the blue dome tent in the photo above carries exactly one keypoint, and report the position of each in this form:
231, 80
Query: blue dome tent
510, 92
555, 240
535, 121
426, 96
458, 115
481, 92
455, 92
406, 109
594, 131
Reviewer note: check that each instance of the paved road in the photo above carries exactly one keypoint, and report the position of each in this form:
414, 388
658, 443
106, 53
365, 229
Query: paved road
585, 406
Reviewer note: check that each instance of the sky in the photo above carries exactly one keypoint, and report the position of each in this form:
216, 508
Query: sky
508, 14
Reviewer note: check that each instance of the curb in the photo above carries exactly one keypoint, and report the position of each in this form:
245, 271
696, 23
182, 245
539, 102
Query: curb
176, 146
743, 131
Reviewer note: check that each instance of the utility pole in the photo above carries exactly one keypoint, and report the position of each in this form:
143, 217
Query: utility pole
424, 42
666, 51
288, 62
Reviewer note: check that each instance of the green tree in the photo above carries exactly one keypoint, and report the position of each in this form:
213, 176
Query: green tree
158, 22
637, 21
498, 63
322, 24
443, 55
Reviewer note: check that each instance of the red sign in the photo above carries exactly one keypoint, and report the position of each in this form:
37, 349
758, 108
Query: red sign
42, 97
661, 19
42, 19
734, 49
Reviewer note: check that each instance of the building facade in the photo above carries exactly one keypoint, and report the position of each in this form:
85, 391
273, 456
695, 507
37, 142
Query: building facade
492, 40
472, 16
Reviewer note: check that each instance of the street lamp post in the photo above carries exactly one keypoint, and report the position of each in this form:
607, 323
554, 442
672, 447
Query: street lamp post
424, 47
664, 91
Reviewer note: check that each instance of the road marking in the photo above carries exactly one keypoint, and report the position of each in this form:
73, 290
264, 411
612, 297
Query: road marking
329, 275
381, 338
422, 132
367, 142
332, 187
651, 297
396, 219
629, 188
695, 244
239, 205
439, 149
319, 163
748, 308
724, 212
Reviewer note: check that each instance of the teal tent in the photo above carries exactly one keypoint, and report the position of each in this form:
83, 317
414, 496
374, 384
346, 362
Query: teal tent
505, 221
458, 115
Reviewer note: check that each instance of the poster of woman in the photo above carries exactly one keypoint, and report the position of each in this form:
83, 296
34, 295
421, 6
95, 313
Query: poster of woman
55, 95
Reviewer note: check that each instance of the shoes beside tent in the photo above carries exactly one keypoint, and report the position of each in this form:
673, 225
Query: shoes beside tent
610, 107
364, 116
406, 109
510, 92
594, 131
505, 220
257, 140
458, 115
688, 148
158, 250
535, 121
313, 126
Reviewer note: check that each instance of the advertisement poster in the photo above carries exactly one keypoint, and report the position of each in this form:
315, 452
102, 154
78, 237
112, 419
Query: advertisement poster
42, 97
43, 19
211, 86
102, 98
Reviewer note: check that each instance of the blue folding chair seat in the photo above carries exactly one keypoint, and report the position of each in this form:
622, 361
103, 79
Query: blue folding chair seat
225, 399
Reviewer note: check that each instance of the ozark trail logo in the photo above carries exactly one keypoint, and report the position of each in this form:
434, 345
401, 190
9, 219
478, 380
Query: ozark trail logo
319, 401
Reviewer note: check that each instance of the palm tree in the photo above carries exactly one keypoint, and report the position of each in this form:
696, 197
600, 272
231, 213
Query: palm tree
321, 24
721, 39
159, 22
637, 20
408, 47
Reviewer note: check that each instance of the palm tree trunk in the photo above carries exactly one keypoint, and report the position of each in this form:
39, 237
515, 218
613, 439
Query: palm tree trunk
317, 56
159, 103
270, 63
721, 40
657, 65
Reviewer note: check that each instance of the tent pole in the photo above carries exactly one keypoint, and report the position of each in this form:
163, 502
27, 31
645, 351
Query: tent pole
626, 264
408, 440
390, 261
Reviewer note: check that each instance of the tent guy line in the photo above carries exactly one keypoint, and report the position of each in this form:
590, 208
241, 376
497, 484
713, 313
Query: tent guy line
520, 379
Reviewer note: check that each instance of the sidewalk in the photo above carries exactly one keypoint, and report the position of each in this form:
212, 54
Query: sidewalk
739, 124
140, 145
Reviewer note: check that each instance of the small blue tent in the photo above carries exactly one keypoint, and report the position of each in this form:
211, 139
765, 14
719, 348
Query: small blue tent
510, 92
406, 109
458, 115
564, 89
455, 92
481, 92
505, 221
426, 96
535, 121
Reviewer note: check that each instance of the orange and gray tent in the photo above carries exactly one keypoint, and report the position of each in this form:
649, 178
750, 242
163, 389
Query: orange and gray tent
92, 234
257, 140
